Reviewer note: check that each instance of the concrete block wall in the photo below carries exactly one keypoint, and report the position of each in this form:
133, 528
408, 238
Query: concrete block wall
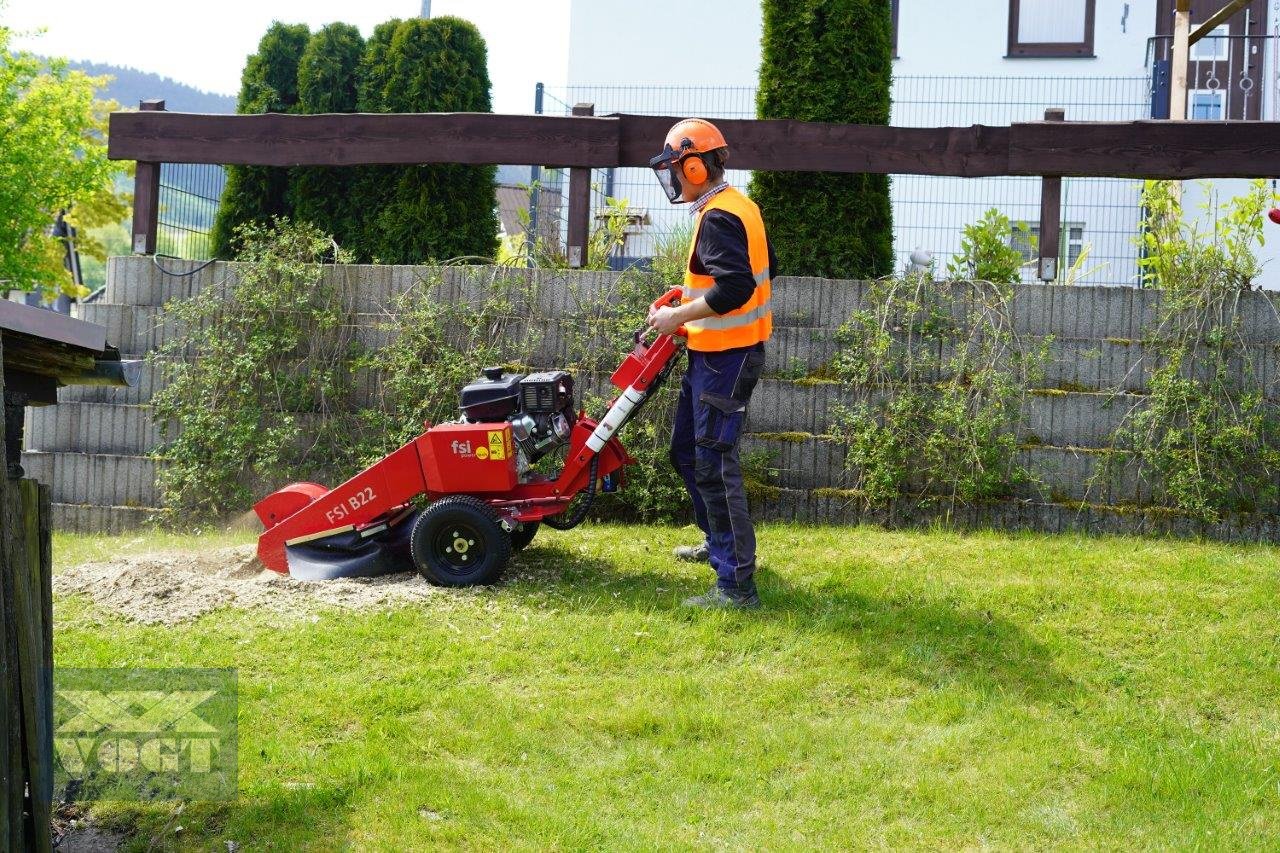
94, 447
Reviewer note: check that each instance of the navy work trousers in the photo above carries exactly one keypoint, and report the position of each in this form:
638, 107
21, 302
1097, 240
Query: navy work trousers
704, 448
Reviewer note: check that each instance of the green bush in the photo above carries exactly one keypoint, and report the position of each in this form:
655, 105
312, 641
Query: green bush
938, 379
444, 211
1207, 438
328, 75
256, 194
827, 60
265, 403
372, 182
987, 252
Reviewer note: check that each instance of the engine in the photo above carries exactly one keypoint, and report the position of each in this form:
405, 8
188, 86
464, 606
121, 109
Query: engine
539, 407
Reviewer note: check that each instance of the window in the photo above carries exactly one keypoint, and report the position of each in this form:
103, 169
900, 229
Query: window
1061, 28
1027, 241
1215, 47
1207, 105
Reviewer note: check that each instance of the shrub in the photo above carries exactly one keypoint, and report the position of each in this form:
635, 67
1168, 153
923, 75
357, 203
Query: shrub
266, 402
442, 211
256, 194
327, 83
938, 379
827, 60
987, 253
1206, 437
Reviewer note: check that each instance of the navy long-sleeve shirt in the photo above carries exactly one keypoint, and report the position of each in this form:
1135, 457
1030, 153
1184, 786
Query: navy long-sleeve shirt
722, 254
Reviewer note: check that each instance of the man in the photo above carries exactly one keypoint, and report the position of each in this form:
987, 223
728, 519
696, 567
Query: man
725, 311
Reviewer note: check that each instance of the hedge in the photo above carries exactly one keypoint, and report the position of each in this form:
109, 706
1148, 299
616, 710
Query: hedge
269, 84
827, 60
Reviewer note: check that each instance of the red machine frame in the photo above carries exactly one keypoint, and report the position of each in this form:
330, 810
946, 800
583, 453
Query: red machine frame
379, 497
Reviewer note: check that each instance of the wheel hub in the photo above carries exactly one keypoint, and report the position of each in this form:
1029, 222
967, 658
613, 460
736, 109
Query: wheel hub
460, 546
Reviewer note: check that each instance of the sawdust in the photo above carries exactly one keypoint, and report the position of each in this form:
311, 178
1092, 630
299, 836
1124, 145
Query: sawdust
170, 587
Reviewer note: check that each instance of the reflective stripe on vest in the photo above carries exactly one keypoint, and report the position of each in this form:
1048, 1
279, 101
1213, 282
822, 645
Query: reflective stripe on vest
751, 323
760, 277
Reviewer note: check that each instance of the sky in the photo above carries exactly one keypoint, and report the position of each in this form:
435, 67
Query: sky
204, 44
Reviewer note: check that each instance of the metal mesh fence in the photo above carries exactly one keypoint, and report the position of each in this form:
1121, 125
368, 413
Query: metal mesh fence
189, 196
1100, 215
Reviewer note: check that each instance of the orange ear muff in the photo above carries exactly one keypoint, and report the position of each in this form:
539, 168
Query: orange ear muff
694, 170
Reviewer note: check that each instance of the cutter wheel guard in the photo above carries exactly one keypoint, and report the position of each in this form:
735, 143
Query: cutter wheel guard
460, 498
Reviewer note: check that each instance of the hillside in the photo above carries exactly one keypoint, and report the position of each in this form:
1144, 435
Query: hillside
131, 85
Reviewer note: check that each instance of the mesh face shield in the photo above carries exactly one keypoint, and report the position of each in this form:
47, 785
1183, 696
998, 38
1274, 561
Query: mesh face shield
667, 167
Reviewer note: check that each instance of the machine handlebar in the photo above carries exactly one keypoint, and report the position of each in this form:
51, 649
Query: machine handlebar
671, 298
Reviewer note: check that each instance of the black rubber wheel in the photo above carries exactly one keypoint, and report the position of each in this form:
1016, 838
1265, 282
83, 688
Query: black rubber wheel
524, 535
458, 541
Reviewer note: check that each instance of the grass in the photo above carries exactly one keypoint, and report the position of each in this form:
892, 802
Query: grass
930, 689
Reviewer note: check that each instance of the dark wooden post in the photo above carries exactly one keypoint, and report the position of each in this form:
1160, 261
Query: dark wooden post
146, 198
26, 657
1050, 215
10, 713
579, 204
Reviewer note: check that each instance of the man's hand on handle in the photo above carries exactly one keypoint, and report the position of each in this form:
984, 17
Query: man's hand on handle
666, 319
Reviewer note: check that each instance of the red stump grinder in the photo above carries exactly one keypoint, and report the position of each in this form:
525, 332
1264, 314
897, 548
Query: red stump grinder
461, 497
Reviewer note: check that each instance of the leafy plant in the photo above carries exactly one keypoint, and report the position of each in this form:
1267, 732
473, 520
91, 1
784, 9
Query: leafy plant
939, 379
266, 402
671, 254
434, 347
1205, 437
987, 252
328, 76
53, 157
608, 236
417, 213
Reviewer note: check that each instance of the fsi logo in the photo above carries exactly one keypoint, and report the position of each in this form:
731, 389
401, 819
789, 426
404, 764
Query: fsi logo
462, 448
148, 734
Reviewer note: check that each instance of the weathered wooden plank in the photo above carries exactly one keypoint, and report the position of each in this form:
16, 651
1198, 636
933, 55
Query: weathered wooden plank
796, 146
351, 139
1152, 149
1050, 215
50, 327
146, 193
1146, 149
10, 719
579, 224
37, 707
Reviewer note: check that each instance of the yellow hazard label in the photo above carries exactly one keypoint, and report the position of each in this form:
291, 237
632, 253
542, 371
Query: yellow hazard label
482, 453
497, 449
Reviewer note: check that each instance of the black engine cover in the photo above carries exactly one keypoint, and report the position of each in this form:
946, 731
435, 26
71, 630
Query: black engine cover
495, 397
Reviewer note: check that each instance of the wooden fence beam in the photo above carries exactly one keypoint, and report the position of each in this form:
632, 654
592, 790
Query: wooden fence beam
576, 246
358, 139
1142, 149
146, 195
1050, 215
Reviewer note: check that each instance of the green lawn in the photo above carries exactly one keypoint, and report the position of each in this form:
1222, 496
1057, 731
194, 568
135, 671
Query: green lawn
900, 689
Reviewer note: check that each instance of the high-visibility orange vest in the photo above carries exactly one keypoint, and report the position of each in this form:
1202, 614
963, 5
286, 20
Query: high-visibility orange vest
753, 322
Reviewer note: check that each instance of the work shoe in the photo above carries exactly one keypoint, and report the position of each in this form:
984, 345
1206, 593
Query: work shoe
699, 553
719, 599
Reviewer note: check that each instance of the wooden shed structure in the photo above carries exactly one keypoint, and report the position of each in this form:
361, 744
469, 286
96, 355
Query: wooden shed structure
41, 351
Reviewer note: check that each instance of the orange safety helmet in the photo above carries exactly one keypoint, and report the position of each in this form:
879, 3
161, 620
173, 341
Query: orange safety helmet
688, 144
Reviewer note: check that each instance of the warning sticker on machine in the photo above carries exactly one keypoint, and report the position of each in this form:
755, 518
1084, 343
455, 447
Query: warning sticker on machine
497, 450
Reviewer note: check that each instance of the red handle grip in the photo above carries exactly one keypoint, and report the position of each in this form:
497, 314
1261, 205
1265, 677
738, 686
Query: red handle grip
671, 298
